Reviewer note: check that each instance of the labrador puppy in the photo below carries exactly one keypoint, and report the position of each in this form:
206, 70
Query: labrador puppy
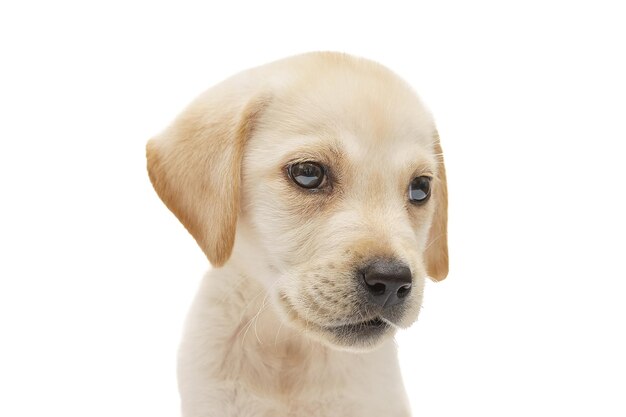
315, 186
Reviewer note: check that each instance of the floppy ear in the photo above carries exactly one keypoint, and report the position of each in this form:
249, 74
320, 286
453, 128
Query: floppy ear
195, 166
436, 255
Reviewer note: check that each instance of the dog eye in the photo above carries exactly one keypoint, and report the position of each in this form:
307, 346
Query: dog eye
307, 175
419, 190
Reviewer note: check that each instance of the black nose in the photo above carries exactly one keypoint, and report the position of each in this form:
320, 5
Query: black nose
388, 281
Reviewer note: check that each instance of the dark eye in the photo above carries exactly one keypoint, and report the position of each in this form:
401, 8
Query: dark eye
419, 190
307, 175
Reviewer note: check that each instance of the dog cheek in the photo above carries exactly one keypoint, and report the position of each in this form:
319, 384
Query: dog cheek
320, 291
272, 226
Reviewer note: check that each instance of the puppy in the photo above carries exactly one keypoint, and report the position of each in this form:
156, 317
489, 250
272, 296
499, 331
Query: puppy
315, 186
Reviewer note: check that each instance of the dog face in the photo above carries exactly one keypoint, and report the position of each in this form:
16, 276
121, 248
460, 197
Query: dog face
328, 170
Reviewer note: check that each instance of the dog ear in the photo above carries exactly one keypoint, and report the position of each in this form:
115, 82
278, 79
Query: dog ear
436, 255
195, 166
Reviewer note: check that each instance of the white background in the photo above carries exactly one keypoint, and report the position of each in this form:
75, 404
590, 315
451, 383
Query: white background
96, 274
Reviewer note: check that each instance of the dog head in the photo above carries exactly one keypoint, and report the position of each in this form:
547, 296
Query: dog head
323, 175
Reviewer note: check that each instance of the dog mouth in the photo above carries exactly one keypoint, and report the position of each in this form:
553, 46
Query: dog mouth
376, 322
358, 334
345, 333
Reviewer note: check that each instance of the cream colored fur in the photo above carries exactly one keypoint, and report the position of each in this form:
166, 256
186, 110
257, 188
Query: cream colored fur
256, 341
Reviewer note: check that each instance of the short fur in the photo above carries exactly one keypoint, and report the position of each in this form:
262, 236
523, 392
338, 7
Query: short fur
272, 332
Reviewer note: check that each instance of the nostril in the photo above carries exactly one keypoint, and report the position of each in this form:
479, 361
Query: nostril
378, 288
403, 291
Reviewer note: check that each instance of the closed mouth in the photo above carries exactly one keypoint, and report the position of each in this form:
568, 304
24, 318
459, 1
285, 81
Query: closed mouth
375, 322
361, 331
